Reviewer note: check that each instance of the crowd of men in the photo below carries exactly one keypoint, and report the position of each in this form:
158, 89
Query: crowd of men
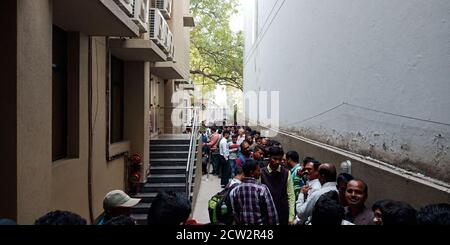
268, 186
265, 186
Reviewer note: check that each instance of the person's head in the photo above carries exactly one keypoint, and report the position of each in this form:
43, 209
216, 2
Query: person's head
249, 138
311, 170
258, 140
257, 134
356, 193
292, 158
251, 169
7, 222
328, 210
60, 218
388, 212
264, 142
307, 160
226, 134
118, 203
342, 181
121, 220
219, 130
234, 138
239, 173
327, 173
258, 153
436, 214
213, 129
245, 149
169, 208
241, 132
276, 156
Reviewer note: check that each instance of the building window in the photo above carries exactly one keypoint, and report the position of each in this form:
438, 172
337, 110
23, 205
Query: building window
65, 94
59, 95
117, 100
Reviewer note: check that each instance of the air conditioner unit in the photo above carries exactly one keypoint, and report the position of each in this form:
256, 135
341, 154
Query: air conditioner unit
169, 40
156, 27
171, 54
126, 5
140, 14
165, 6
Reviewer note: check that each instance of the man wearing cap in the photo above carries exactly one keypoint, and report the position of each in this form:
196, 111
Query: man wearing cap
116, 203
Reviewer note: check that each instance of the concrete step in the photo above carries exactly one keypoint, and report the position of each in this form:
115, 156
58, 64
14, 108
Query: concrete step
169, 154
141, 208
167, 178
169, 148
157, 187
168, 170
168, 162
147, 197
170, 142
141, 219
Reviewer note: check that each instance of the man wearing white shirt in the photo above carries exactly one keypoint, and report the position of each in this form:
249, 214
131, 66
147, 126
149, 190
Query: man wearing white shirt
241, 137
311, 170
327, 177
224, 155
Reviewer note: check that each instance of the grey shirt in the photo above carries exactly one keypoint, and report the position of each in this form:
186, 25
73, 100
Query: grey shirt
363, 218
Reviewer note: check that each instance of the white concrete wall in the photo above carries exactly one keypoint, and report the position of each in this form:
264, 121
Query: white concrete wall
388, 55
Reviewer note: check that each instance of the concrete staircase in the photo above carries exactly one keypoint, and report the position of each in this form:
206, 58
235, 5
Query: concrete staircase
168, 162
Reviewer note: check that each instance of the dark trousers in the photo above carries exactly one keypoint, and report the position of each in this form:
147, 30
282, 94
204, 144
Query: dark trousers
226, 171
215, 161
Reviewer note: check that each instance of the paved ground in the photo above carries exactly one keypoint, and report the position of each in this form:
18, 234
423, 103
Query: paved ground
208, 188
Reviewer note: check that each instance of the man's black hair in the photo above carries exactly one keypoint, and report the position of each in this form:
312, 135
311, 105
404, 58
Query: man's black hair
239, 170
234, 136
226, 132
366, 187
329, 174
395, 212
258, 148
60, 218
344, 178
219, 131
308, 160
328, 210
436, 214
248, 167
213, 129
121, 220
316, 164
275, 151
169, 208
293, 155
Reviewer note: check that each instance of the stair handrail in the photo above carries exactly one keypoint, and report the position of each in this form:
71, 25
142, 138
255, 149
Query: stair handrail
192, 150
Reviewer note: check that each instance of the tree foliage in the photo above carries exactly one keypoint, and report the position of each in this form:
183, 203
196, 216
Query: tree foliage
216, 51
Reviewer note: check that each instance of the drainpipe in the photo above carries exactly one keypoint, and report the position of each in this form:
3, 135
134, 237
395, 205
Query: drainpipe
90, 129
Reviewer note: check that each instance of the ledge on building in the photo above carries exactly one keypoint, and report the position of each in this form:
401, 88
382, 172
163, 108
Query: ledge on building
169, 70
136, 50
94, 18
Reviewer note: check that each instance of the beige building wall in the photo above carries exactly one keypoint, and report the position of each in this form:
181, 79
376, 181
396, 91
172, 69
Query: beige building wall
34, 114
181, 34
34, 183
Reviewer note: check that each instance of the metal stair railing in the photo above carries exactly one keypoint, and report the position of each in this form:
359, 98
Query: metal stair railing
192, 150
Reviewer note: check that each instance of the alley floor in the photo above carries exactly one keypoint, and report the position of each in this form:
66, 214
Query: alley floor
209, 187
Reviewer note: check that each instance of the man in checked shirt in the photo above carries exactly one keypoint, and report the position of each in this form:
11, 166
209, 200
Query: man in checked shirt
252, 203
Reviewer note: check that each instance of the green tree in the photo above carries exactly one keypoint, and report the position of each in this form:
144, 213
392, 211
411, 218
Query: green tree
216, 51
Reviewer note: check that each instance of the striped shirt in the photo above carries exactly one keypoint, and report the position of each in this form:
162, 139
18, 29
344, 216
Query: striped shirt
253, 204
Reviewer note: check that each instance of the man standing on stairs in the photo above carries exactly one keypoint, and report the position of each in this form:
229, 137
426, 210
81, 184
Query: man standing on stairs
280, 184
224, 155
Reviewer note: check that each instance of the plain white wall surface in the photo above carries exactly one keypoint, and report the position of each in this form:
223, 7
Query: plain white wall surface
388, 55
